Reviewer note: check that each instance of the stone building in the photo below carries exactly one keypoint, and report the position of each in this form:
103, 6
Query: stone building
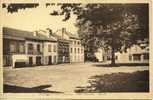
76, 50
23, 48
135, 54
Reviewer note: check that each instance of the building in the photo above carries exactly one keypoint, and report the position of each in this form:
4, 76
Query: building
23, 48
135, 54
102, 55
50, 49
75, 51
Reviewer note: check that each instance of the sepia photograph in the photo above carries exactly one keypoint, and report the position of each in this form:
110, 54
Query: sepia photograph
66, 48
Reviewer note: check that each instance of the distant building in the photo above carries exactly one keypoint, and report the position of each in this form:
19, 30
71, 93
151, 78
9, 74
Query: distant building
22, 48
99, 55
135, 54
76, 50
102, 55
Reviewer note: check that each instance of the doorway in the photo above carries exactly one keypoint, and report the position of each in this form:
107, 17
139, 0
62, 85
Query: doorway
30, 61
38, 61
49, 60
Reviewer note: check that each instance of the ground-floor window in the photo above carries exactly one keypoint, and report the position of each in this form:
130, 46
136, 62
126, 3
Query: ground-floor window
136, 57
130, 57
146, 56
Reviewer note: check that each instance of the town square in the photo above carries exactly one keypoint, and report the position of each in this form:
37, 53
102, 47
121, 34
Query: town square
75, 48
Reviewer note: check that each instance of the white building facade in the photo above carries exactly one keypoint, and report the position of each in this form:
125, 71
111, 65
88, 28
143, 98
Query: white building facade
135, 54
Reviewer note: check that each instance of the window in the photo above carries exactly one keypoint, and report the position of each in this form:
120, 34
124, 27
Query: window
30, 48
136, 57
75, 50
49, 48
71, 50
21, 48
54, 48
146, 56
78, 42
81, 50
38, 48
130, 58
12, 47
74, 42
78, 50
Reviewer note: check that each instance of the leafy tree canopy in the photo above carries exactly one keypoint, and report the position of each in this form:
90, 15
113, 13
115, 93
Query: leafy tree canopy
118, 26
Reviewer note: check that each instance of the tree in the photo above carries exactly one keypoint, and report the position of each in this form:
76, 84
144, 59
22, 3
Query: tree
118, 26
115, 26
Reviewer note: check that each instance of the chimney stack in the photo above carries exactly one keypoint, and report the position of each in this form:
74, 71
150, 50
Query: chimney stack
49, 31
35, 33
63, 32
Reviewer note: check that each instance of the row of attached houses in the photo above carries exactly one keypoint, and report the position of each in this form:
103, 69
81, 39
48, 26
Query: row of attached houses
23, 48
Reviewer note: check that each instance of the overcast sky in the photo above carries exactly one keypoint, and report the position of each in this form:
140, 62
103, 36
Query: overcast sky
37, 18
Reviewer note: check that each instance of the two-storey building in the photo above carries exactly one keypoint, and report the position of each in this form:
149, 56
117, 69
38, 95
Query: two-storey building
75, 49
136, 54
23, 48
50, 48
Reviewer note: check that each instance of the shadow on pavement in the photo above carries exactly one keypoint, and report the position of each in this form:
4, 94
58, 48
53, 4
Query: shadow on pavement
117, 82
121, 64
19, 89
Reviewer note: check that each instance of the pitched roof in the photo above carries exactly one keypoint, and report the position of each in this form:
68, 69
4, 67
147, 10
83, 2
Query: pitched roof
73, 36
15, 33
59, 38
70, 35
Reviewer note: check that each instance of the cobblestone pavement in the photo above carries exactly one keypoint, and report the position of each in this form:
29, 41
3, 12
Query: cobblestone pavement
63, 77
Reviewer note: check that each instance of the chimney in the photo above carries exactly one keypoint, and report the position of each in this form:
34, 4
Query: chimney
35, 33
63, 32
49, 31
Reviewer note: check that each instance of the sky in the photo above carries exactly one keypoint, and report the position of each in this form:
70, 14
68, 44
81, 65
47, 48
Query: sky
36, 19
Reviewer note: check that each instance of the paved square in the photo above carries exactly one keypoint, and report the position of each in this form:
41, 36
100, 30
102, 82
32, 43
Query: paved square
63, 77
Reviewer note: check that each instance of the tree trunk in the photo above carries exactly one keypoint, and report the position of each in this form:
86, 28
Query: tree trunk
113, 50
113, 56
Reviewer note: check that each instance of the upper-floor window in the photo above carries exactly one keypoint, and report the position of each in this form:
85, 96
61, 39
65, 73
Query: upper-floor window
13, 47
49, 48
38, 48
21, 48
78, 50
75, 50
55, 48
74, 42
30, 47
71, 50
81, 50
78, 43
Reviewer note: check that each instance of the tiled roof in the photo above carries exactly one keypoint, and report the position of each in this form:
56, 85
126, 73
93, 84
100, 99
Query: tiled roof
73, 36
10, 32
59, 38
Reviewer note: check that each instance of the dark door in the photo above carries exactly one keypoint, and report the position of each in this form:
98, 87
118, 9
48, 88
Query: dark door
50, 60
38, 61
30, 61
